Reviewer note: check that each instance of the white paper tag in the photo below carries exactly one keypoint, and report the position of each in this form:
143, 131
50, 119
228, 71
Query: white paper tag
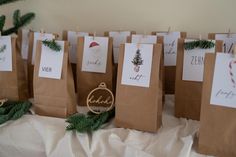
95, 54
137, 65
40, 36
25, 43
51, 62
144, 39
73, 38
118, 39
229, 42
224, 81
193, 65
170, 47
5, 53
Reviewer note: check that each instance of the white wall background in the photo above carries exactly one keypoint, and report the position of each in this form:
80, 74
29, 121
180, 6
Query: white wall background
194, 16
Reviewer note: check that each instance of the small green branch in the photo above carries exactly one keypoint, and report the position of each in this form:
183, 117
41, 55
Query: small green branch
203, 44
52, 44
89, 122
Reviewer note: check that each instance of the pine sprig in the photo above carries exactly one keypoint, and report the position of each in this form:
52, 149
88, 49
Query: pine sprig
203, 44
18, 22
89, 122
52, 44
2, 22
2, 2
12, 110
3, 48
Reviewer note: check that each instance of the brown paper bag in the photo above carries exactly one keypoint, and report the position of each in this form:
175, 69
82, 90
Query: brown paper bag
217, 132
25, 62
188, 93
54, 97
160, 40
115, 66
170, 72
30, 67
87, 81
133, 102
73, 65
13, 83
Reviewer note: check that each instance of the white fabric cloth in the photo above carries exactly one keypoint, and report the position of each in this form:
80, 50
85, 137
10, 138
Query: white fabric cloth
38, 136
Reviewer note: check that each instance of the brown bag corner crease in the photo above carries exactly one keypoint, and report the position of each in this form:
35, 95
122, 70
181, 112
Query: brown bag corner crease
188, 93
217, 124
53, 97
13, 83
87, 81
134, 102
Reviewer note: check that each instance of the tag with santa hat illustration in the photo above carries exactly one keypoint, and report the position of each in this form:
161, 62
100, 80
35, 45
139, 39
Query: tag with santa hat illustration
95, 54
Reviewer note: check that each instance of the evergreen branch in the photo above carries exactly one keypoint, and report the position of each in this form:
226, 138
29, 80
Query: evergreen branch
203, 44
12, 110
26, 19
16, 18
19, 22
3, 48
2, 2
89, 122
2, 22
52, 44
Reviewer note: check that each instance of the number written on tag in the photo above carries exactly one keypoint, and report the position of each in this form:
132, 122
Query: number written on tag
51, 62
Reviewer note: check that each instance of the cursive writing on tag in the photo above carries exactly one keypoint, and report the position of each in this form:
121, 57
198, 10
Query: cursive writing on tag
95, 62
137, 77
171, 49
225, 94
100, 100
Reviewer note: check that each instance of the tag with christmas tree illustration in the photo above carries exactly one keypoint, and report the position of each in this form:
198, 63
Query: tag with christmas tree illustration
95, 54
194, 55
144, 39
229, 41
51, 61
5, 53
224, 81
40, 36
25, 43
73, 39
137, 64
137, 61
170, 47
119, 37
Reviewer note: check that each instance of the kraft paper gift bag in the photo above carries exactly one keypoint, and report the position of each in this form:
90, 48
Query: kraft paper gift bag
33, 38
229, 40
119, 37
72, 38
217, 132
23, 40
54, 93
151, 39
170, 55
94, 65
139, 87
189, 77
12, 75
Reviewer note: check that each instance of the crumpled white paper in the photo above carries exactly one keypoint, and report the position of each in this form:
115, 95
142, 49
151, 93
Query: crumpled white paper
37, 136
